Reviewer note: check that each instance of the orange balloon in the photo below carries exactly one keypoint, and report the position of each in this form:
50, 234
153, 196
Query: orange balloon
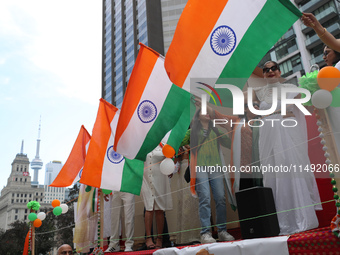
55, 202
168, 151
328, 78
37, 223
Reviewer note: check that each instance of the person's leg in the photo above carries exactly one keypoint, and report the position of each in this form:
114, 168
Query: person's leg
203, 193
116, 203
166, 236
218, 191
129, 214
148, 225
160, 226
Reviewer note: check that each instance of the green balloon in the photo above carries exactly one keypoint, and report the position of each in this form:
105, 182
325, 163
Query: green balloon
106, 191
32, 216
57, 210
336, 97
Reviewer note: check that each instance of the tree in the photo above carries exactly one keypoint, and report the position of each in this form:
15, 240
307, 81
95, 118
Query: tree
13, 240
44, 235
65, 222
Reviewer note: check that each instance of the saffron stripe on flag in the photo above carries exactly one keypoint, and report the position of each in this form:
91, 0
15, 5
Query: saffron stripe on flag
71, 170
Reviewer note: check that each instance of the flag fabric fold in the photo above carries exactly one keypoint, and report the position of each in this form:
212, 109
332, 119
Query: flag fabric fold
26, 245
152, 106
104, 168
71, 171
225, 39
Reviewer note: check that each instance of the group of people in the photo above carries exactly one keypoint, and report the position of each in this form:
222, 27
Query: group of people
295, 194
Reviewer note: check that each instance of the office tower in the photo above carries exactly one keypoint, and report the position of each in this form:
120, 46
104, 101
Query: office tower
52, 169
125, 24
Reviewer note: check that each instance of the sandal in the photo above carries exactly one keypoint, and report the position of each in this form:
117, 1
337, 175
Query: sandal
151, 246
161, 240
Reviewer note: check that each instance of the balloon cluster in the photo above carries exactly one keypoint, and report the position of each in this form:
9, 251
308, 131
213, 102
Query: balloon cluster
59, 208
36, 219
328, 78
167, 166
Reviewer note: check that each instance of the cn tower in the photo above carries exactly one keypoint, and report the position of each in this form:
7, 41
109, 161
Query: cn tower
37, 163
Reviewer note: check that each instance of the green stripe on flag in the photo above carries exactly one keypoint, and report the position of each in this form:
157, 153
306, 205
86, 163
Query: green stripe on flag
132, 177
275, 18
289, 5
168, 116
179, 130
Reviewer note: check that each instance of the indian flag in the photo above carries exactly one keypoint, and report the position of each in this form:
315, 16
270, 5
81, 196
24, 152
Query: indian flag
225, 39
104, 168
152, 106
72, 169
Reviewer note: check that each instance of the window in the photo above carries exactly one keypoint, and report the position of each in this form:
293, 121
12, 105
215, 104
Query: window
286, 48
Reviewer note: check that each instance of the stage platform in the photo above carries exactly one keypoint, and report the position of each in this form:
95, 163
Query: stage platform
319, 241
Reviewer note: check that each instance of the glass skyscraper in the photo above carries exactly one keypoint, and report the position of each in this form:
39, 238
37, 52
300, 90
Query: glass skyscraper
126, 23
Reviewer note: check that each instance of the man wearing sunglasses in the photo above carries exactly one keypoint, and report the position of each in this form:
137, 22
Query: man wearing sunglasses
65, 249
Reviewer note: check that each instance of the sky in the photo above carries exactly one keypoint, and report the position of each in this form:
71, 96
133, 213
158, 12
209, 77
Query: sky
50, 68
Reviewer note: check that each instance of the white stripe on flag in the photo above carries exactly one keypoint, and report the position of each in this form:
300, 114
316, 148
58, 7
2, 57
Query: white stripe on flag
156, 90
112, 173
239, 24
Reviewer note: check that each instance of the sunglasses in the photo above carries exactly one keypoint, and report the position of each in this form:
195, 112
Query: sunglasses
273, 68
326, 53
67, 252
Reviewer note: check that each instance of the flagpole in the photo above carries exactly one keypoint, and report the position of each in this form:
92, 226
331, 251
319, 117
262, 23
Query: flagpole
101, 212
33, 240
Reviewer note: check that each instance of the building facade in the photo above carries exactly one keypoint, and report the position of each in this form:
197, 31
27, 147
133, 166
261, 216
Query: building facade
18, 192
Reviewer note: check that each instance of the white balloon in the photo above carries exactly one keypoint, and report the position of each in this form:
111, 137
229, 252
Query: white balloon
167, 166
322, 98
64, 208
41, 216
